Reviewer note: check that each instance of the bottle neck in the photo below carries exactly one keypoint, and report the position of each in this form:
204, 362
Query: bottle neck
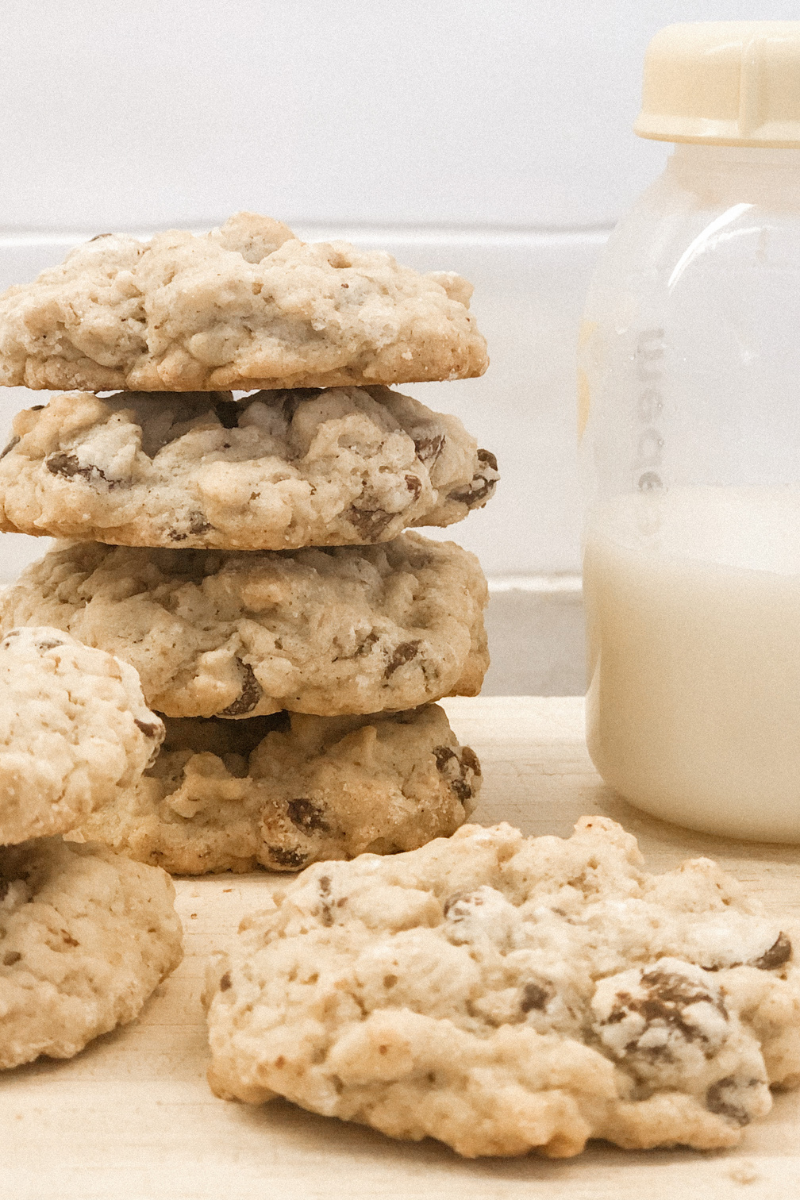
758, 175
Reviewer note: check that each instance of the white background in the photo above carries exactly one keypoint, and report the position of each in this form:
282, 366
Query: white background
490, 138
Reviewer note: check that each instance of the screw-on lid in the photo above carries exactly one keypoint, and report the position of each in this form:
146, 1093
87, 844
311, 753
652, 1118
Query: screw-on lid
728, 83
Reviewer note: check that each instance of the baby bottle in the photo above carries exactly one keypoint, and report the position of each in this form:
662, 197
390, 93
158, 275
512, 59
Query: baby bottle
689, 390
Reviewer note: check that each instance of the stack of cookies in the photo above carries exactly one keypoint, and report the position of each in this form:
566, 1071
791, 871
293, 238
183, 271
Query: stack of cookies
251, 558
86, 935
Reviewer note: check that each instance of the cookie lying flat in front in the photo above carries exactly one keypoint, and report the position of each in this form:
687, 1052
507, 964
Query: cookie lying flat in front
504, 994
275, 471
354, 629
288, 790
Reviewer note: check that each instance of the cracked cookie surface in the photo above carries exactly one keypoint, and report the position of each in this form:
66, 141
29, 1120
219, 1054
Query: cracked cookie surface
276, 471
85, 938
244, 306
236, 634
287, 790
74, 732
504, 993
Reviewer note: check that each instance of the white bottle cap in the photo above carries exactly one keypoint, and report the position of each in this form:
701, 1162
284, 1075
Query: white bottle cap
727, 83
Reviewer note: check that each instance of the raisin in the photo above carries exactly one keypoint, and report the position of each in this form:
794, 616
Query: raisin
414, 484
225, 982
429, 448
249, 696
10, 957
69, 940
779, 953
98, 236
402, 654
307, 816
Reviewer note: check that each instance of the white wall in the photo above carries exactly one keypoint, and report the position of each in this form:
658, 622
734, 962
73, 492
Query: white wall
491, 138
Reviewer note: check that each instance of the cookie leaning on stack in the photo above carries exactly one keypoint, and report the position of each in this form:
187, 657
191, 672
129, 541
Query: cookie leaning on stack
86, 934
251, 557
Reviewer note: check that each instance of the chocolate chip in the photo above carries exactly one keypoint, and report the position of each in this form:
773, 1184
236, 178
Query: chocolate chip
414, 484
369, 522
148, 728
249, 696
225, 982
483, 484
228, 413
198, 523
470, 760
286, 858
534, 997
10, 957
14, 442
69, 467
402, 654
429, 448
669, 995
779, 953
307, 816
461, 789
68, 939
390, 981
454, 769
367, 644
723, 1097
36, 408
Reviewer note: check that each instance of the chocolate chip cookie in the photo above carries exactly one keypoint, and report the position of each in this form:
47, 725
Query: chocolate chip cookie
276, 471
236, 634
245, 306
504, 993
287, 790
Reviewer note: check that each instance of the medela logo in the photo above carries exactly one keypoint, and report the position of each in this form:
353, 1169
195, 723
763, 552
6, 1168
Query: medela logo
648, 440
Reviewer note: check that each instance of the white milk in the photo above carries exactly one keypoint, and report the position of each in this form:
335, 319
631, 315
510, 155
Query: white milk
693, 618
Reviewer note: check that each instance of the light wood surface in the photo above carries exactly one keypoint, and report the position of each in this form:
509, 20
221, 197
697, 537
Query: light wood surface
132, 1117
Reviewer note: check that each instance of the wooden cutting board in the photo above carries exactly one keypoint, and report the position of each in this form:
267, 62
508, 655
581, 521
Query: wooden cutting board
132, 1117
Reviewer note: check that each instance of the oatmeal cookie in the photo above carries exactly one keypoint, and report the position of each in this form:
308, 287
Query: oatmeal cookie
74, 732
504, 993
233, 634
85, 938
277, 471
245, 306
287, 790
